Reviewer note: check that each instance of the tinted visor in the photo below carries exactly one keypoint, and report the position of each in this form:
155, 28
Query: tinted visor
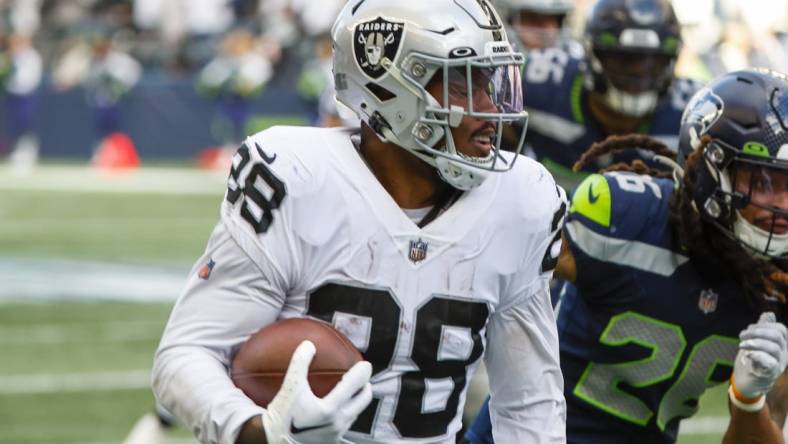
485, 90
636, 73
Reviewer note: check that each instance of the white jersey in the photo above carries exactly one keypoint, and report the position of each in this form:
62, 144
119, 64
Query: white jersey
307, 230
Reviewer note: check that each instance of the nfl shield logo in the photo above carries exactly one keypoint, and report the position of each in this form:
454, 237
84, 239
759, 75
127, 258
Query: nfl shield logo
375, 40
707, 303
418, 251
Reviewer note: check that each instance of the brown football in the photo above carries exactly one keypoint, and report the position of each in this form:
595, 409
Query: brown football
261, 363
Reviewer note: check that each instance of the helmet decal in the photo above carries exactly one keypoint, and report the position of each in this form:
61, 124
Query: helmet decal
703, 111
644, 12
375, 40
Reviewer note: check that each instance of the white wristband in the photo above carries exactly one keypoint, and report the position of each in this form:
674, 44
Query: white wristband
752, 408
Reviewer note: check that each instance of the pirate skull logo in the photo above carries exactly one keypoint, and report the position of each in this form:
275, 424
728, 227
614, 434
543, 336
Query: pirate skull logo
374, 41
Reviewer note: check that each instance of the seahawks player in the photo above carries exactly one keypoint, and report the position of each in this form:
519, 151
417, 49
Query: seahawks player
675, 285
399, 233
623, 83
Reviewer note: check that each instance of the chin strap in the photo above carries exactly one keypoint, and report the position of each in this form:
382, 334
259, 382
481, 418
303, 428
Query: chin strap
391, 137
678, 171
466, 177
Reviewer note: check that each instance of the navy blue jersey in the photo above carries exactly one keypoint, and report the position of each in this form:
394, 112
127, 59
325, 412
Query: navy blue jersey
560, 126
642, 333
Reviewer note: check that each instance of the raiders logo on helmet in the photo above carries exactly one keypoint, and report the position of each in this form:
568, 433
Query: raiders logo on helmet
374, 40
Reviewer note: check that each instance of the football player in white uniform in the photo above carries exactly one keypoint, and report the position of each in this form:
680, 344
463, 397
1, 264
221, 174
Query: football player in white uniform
416, 236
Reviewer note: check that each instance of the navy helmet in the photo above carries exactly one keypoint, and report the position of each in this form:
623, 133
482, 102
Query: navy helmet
745, 163
631, 48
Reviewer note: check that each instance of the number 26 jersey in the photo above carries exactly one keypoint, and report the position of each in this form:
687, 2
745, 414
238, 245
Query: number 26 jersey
642, 333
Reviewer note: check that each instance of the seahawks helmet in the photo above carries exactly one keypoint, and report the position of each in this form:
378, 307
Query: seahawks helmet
529, 34
745, 113
631, 47
387, 52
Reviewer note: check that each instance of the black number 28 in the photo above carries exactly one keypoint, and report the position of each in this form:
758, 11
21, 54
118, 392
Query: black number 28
385, 314
252, 192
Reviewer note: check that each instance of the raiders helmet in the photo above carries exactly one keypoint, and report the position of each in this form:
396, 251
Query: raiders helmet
385, 54
746, 115
631, 48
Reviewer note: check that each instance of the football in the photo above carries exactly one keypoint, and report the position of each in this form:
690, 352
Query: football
261, 363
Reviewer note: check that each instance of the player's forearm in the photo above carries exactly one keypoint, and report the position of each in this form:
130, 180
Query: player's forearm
752, 428
537, 421
194, 385
777, 400
527, 402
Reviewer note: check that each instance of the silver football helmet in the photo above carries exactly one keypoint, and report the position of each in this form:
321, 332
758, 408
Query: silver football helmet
385, 55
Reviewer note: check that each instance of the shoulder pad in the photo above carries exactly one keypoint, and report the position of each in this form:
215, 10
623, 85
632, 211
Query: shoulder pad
622, 205
539, 207
591, 199
279, 173
539, 195
291, 154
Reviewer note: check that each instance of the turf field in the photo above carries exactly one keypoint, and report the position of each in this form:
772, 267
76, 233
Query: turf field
89, 267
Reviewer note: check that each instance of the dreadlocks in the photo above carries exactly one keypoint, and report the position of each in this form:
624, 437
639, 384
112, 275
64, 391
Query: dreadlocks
615, 144
710, 249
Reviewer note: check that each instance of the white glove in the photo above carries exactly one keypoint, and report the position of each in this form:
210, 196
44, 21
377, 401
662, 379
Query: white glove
762, 357
297, 416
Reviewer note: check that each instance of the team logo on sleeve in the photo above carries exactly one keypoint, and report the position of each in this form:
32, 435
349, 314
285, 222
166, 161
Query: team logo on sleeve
418, 251
375, 40
205, 270
707, 303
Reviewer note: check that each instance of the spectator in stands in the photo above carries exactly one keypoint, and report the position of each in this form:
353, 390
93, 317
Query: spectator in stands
107, 73
234, 78
21, 70
316, 84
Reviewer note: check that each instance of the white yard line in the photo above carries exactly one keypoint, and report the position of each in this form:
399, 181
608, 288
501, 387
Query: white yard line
165, 441
38, 279
83, 332
74, 382
144, 180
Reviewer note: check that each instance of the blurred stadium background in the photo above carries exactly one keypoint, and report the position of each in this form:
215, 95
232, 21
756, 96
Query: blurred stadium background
116, 122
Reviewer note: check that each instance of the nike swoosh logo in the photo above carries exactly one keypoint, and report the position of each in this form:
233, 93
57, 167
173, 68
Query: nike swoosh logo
296, 430
591, 196
268, 160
